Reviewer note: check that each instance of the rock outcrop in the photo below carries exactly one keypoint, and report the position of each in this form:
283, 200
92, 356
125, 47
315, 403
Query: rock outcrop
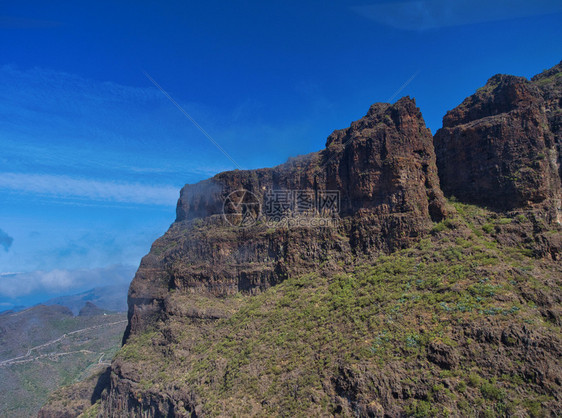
71, 401
550, 84
501, 147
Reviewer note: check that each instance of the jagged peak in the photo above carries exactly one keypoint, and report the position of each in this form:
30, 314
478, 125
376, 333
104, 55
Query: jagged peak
503, 79
494, 136
405, 103
385, 114
351, 163
502, 93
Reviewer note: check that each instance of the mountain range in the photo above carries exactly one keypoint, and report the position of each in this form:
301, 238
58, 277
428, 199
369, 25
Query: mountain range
110, 298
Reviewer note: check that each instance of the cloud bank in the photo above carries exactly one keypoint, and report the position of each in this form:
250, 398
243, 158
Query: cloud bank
16, 285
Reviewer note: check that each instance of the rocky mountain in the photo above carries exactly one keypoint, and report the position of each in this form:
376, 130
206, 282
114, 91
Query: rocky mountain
500, 148
383, 167
392, 273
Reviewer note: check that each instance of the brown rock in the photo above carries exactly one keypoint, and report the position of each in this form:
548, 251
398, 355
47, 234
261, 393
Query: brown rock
498, 148
443, 355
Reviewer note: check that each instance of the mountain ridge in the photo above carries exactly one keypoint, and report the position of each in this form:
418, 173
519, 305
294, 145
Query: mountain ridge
110, 298
497, 159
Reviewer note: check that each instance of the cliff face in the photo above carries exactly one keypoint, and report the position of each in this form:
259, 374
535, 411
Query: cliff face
550, 84
383, 163
400, 303
382, 170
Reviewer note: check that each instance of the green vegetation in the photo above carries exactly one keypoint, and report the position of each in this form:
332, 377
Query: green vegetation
26, 384
92, 412
280, 349
548, 80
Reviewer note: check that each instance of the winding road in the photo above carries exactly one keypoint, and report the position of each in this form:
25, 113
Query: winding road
27, 357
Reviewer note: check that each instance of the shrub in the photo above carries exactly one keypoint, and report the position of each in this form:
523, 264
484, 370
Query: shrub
521, 218
420, 409
474, 380
491, 391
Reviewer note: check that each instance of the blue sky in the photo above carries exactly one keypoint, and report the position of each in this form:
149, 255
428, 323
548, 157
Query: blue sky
93, 154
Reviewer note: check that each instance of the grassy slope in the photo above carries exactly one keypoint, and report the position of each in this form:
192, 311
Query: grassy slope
329, 345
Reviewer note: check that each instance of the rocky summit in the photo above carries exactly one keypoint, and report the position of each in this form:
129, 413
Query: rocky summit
391, 274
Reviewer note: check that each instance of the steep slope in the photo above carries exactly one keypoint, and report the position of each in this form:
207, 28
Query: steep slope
457, 324
386, 300
550, 84
382, 167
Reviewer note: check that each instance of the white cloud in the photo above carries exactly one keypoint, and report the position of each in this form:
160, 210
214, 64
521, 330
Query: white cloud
431, 14
66, 187
15, 285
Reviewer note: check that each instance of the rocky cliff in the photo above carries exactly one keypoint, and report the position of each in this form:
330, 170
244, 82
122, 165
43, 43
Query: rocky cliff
383, 171
501, 147
344, 283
